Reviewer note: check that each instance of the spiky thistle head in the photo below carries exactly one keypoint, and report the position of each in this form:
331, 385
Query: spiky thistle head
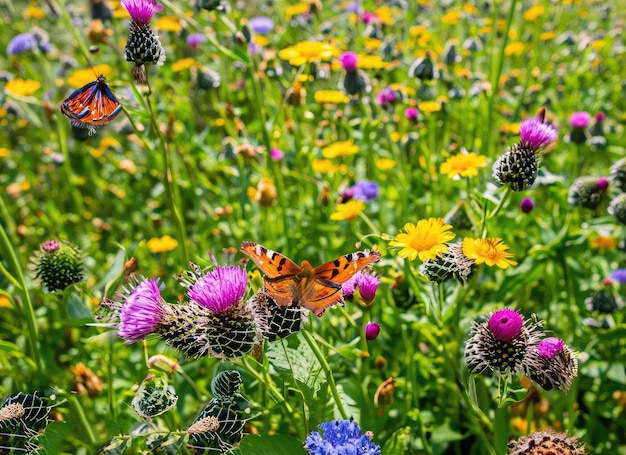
58, 264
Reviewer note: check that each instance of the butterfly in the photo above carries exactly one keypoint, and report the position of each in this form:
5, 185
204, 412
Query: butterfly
91, 106
312, 288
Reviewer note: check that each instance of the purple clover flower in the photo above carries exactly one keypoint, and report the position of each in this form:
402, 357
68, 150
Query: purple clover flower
140, 313
340, 437
602, 183
141, 11
349, 60
535, 134
527, 205
50, 246
220, 289
579, 119
506, 324
21, 43
261, 25
372, 330
550, 347
195, 40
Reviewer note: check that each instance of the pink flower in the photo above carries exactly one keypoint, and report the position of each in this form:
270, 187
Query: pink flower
506, 324
579, 119
349, 60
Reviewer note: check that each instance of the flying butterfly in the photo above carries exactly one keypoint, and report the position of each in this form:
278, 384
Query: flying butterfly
312, 288
91, 106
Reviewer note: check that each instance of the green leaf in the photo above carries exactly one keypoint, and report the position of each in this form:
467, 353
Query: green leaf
56, 433
75, 305
271, 445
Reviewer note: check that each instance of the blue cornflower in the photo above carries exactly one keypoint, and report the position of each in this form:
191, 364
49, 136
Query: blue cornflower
365, 190
340, 437
21, 43
619, 275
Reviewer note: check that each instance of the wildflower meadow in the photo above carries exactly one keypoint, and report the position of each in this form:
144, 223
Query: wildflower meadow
319, 227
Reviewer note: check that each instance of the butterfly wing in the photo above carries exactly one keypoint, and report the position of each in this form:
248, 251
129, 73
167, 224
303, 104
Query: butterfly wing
343, 268
323, 289
281, 274
91, 105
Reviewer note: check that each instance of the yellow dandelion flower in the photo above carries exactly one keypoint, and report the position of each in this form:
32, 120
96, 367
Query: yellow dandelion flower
168, 24
428, 107
425, 240
348, 211
22, 87
339, 149
183, 64
598, 44
295, 10
307, 52
324, 167
488, 251
162, 244
470, 9
546, 36
372, 62
516, 48
451, 17
330, 97
4, 301
81, 77
33, 12
384, 15
534, 12
385, 164
372, 44
463, 165
261, 40
4, 152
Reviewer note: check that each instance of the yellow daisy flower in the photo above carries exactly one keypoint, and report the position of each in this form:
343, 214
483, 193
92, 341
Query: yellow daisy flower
516, 48
168, 24
324, 167
307, 52
295, 10
451, 17
341, 148
348, 211
183, 64
429, 106
488, 251
330, 97
534, 12
22, 87
81, 77
425, 240
385, 164
162, 244
463, 165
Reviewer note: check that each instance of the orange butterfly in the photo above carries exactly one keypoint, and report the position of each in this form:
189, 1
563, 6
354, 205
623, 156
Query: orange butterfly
312, 288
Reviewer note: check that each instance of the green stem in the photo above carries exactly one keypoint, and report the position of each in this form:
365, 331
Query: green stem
495, 211
79, 414
167, 180
327, 372
495, 76
11, 256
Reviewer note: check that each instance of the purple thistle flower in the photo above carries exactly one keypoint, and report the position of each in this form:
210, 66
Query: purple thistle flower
261, 25
372, 330
549, 347
367, 284
50, 246
579, 119
276, 154
140, 314
141, 11
411, 113
619, 275
527, 205
506, 324
535, 134
364, 190
602, 183
21, 43
195, 40
220, 289
349, 60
